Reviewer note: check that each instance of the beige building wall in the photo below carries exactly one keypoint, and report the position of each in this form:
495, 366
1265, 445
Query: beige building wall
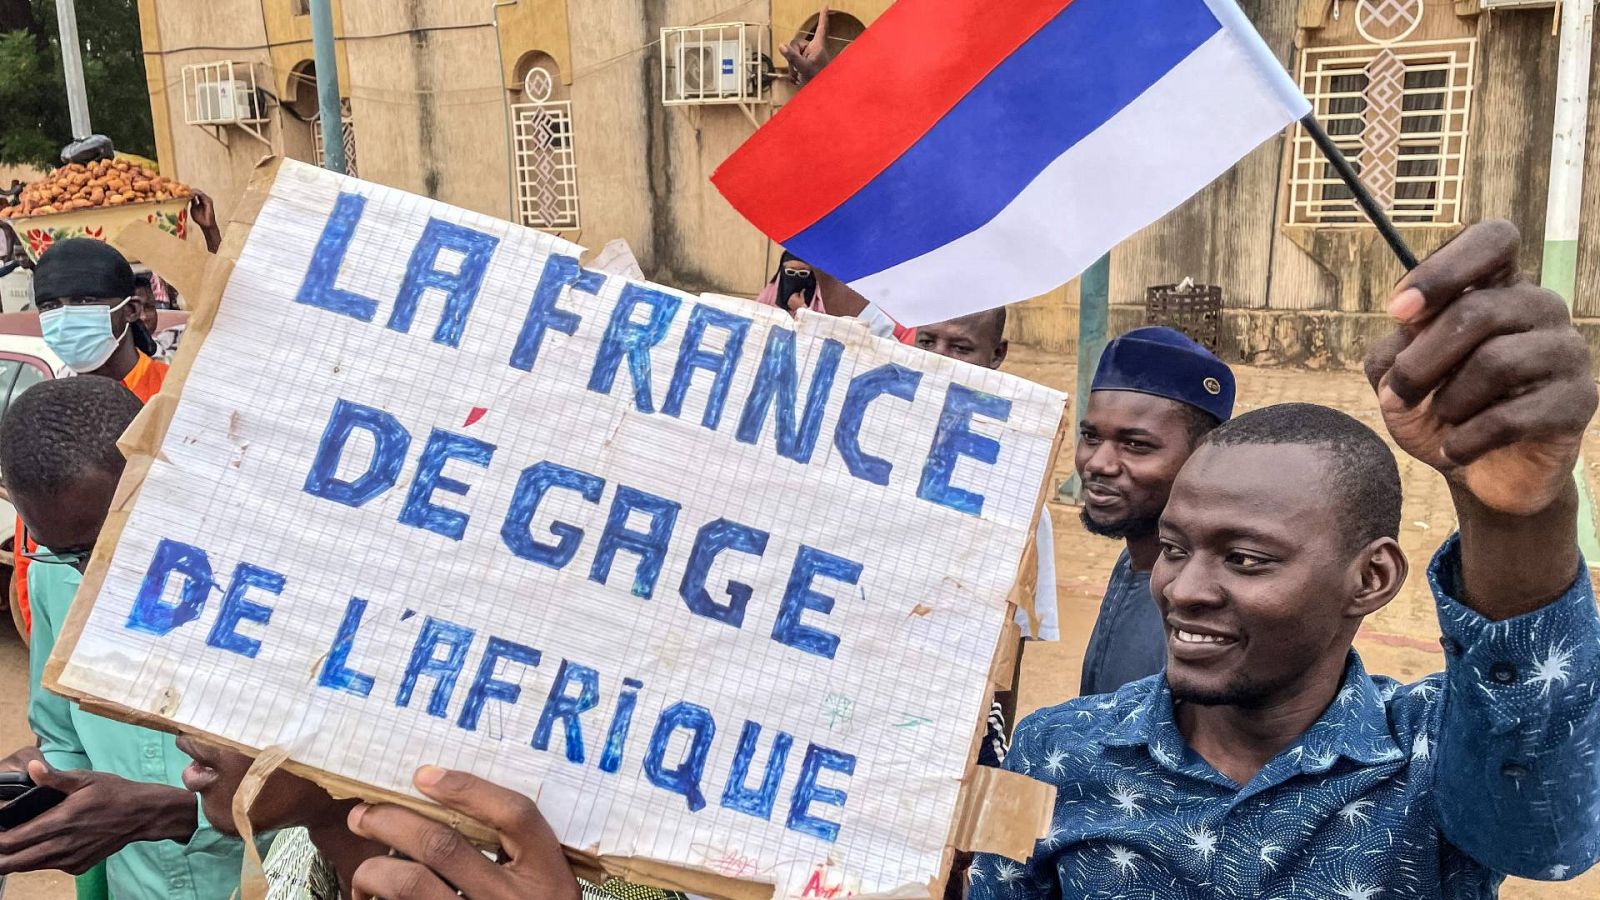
431, 82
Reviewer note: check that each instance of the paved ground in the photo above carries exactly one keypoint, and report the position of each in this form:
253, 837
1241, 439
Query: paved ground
1401, 641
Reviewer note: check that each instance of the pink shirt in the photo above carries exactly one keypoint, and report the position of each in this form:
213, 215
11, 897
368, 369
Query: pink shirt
877, 320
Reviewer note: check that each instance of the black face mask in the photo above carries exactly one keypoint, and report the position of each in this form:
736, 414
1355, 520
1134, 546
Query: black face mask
790, 282
142, 340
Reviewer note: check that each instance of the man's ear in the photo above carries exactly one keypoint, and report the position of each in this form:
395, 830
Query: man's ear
133, 310
1379, 571
1000, 351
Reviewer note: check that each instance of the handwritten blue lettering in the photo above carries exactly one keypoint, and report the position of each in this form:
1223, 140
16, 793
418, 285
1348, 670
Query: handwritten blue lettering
650, 545
807, 791
778, 382
799, 597
535, 482
684, 778
625, 337
561, 705
459, 287
714, 538
758, 802
543, 315
893, 380
955, 438
235, 609
420, 511
389, 454
336, 672
150, 613
621, 721
318, 287
486, 687
444, 670
721, 363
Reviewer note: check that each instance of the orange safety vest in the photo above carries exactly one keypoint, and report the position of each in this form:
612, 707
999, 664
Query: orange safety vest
145, 382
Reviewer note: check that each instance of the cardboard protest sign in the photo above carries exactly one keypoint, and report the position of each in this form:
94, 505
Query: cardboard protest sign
720, 588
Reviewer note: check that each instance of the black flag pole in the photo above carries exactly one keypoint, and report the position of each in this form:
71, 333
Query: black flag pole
1369, 205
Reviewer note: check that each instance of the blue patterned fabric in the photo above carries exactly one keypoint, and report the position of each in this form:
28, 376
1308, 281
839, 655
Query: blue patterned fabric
1436, 789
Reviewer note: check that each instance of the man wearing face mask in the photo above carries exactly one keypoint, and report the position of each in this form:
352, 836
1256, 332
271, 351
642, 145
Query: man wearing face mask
90, 316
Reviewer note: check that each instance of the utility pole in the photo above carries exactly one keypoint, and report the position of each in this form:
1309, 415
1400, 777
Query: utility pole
1564, 207
327, 61
72, 62
1094, 312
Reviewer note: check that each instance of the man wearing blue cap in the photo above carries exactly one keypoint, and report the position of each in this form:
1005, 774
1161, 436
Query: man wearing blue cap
1155, 395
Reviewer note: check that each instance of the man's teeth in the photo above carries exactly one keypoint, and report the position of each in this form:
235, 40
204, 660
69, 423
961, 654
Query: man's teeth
1189, 637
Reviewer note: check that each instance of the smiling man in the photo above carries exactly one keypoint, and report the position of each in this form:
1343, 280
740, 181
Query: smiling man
1265, 761
1155, 395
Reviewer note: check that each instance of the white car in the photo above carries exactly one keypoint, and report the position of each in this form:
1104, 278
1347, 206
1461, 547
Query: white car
25, 360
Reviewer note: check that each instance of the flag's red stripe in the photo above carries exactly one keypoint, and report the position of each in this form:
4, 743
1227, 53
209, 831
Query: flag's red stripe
867, 108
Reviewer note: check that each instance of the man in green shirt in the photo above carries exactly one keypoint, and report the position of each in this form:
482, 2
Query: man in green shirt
124, 803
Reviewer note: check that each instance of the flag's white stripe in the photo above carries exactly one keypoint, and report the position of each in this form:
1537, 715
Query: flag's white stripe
1190, 127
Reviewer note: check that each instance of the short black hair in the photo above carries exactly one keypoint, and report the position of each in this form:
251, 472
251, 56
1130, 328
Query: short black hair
1198, 423
1364, 478
59, 430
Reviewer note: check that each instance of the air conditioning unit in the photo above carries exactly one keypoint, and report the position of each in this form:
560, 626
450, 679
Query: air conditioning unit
226, 103
710, 70
713, 64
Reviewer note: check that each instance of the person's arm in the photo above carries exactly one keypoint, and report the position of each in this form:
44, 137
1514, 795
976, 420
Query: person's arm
438, 856
1488, 382
203, 212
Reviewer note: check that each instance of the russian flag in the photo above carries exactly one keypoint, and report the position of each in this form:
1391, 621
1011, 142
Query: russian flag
966, 154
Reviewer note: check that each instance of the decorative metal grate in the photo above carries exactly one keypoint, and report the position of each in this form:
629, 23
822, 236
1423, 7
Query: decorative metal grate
348, 129
546, 165
1401, 114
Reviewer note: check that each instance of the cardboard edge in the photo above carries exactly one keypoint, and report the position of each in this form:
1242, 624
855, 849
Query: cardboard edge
975, 827
180, 263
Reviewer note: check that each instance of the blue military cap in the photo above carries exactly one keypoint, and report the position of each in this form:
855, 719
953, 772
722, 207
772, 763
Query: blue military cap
1165, 363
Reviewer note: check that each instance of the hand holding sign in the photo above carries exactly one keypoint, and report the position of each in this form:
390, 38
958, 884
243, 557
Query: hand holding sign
1487, 380
438, 855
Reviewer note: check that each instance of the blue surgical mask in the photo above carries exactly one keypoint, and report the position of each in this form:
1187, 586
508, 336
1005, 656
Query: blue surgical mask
81, 335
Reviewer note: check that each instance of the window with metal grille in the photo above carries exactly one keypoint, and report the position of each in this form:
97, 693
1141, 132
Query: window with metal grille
546, 164
300, 7
1401, 114
348, 129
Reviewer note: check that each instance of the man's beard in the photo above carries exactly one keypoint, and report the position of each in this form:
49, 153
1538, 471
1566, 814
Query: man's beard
1242, 693
1138, 526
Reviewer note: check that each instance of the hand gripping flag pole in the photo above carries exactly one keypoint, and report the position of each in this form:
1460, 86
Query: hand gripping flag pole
1369, 204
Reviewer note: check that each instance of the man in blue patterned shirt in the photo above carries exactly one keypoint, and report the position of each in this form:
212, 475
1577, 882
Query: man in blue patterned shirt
1265, 762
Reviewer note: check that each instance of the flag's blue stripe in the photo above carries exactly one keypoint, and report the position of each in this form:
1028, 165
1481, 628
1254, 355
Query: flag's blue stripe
1074, 75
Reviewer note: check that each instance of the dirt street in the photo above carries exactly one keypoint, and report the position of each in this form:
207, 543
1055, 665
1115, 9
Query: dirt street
1401, 641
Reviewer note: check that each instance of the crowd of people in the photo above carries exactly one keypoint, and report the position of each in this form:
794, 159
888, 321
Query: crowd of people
1228, 740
